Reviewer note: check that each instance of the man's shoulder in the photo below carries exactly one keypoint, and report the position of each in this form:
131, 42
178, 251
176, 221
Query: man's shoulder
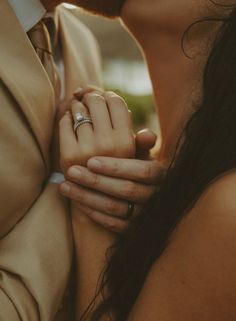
80, 44
72, 15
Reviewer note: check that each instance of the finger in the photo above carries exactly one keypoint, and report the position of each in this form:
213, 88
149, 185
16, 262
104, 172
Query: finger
120, 116
145, 140
81, 91
84, 131
115, 187
111, 223
97, 201
99, 113
67, 139
143, 171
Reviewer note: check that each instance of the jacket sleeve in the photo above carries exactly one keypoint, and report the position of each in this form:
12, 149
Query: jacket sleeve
35, 261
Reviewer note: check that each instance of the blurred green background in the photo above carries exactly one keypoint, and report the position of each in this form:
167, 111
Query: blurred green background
141, 107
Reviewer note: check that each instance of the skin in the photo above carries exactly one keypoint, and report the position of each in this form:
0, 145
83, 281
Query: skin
102, 7
173, 108
195, 278
175, 95
145, 140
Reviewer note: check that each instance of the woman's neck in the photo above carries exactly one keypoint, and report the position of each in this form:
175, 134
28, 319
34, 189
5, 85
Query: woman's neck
176, 81
176, 78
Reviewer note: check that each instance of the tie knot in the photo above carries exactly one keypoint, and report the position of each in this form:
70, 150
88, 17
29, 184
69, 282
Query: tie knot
40, 38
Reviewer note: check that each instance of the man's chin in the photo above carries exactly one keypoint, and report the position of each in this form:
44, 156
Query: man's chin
107, 8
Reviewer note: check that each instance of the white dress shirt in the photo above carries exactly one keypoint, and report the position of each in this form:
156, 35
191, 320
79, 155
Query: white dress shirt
29, 13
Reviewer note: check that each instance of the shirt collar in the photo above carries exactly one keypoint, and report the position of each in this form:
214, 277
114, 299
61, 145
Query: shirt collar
29, 12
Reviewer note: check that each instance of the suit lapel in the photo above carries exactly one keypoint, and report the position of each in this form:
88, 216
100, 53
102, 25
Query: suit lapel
69, 31
25, 77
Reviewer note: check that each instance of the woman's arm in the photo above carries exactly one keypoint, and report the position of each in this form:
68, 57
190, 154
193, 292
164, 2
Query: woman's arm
110, 134
91, 243
108, 189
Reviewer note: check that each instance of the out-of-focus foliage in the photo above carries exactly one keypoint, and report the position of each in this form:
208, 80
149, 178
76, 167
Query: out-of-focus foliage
141, 107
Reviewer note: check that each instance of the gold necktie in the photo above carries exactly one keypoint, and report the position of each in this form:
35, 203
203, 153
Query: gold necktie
40, 39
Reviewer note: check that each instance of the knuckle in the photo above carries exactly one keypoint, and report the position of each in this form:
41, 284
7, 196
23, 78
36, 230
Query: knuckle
115, 168
127, 148
114, 99
93, 98
79, 107
146, 171
111, 224
95, 180
68, 160
113, 208
85, 152
79, 157
105, 146
129, 190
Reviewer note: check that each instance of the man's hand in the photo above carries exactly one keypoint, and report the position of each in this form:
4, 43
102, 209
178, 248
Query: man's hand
104, 189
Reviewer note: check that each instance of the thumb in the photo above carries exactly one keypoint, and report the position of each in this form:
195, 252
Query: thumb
145, 140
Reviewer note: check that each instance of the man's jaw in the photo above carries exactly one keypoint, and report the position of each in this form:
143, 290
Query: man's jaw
107, 8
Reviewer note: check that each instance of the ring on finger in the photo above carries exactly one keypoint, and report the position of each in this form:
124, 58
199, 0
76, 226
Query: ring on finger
130, 213
80, 119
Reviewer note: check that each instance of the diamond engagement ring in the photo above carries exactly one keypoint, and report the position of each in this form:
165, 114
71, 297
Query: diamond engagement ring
80, 119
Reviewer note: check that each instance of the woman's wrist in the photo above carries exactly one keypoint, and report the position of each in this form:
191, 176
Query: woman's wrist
91, 243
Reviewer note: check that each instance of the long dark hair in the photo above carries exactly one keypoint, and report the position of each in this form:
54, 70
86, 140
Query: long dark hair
207, 150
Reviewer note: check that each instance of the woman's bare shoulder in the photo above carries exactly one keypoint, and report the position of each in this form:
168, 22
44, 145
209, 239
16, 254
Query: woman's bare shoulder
214, 214
195, 278
219, 198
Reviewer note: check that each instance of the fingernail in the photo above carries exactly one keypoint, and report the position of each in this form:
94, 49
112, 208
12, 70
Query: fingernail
74, 172
65, 188
94, 163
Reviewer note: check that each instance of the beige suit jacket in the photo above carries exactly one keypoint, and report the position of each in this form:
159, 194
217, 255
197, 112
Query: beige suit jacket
35, 232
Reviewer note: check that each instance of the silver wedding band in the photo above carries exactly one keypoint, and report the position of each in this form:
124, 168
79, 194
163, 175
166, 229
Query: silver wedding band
80, 119
130, 212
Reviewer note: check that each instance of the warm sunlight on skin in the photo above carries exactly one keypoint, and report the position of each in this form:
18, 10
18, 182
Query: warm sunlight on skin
195, 277
159, 27
104, 7
109, 8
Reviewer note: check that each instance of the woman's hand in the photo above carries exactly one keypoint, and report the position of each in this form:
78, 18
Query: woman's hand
103, 191
110, 133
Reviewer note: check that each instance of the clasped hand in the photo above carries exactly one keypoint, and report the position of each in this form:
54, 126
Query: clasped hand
98, 160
